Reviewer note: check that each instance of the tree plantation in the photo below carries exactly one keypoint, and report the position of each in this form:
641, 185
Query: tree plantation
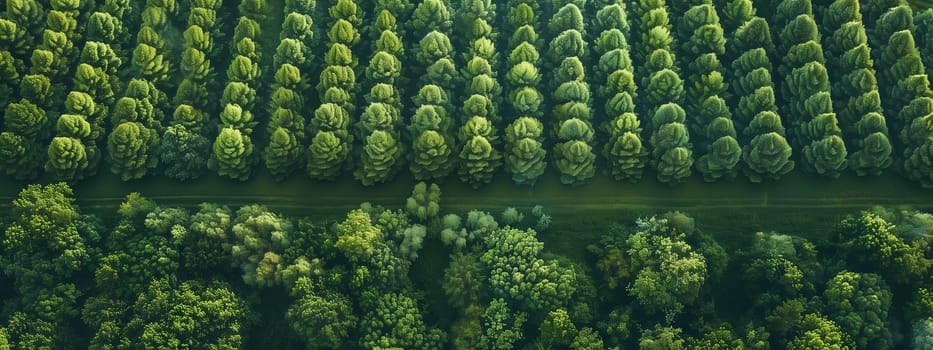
725, 90
466, 174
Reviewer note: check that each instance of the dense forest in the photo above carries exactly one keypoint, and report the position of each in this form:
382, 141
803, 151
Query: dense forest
620, 174
220, 277
470, 89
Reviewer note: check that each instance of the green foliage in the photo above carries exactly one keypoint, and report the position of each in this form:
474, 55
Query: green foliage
431, 156
576, 161
183, 152
260, 238
357, 237
384, 67
203, 245
917, 164
767, 155
431, 15
701, 31
519, 274
478, 161
330, 117
342, 32
859, 304
659, 337
323, 319
807, 88
393, 320
860, 116
20, 157
283, 153
557, 329
901, 61
424, 202
735, 13
667, 273
465, 280
625, 151
815, 331
587, 339
150, 63
28, 332
340, 77
478, 225
239, 94
326, 155
872, 245
721, 160
233, 155
721, 338
467, 331
67, 158
24, 118
502, 327
42, 244
524, 153
379, 160
135, 258
129, 148
923, 334
672, 155
664, 86
527, 100
753, 35
214, 313
568, 17
569, 43
523, 52
290, 51
143, 103
826, 156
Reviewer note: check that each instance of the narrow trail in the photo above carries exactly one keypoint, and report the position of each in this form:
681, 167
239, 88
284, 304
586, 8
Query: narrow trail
601, 194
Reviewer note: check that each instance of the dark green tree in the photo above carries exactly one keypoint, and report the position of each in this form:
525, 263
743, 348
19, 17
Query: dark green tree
42, 247
129, 150
465, 280
859, 304
379, 159
815, 330
431, 156
671, 148
233, 155
625, 151
543, 285
502, 327
871, 245
326, 155
183, 153
216, 314
478, 161
283, 153
323, 318
394, 320
524, 154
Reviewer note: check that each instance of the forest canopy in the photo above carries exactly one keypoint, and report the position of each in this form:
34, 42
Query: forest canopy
613, 174
213, 275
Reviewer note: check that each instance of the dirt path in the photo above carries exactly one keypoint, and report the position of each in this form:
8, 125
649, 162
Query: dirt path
602, 193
